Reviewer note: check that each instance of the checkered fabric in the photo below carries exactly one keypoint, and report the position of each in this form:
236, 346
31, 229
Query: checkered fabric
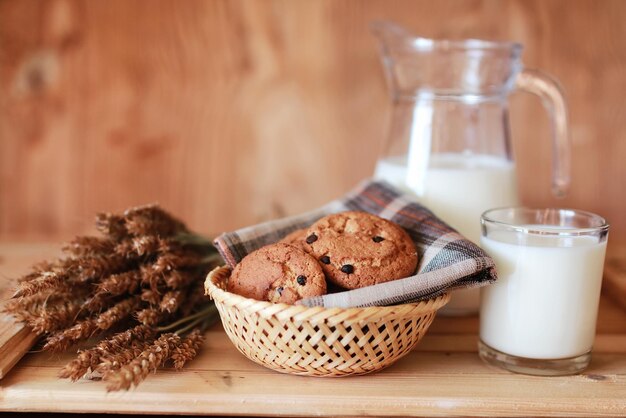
447, 260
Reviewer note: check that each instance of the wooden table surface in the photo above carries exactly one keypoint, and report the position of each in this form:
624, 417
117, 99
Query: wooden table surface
442, 376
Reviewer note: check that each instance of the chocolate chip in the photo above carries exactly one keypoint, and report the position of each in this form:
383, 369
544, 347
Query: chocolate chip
347, 268
280, 290
378, 238
301, 280
325, 259
311, 239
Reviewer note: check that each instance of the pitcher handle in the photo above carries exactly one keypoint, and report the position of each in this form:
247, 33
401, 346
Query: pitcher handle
553, 100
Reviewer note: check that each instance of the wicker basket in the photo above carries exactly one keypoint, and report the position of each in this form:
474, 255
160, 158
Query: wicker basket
320, 341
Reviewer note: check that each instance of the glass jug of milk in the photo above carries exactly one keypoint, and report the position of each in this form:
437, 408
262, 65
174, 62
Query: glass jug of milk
449, 140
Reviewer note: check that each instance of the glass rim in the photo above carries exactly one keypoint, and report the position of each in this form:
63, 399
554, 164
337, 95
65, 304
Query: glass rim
423, 44
426, 44
553, 230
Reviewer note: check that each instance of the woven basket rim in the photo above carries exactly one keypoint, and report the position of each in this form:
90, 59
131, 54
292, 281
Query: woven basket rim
214, 284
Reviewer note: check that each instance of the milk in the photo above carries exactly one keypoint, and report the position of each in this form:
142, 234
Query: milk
458, 188
545, 302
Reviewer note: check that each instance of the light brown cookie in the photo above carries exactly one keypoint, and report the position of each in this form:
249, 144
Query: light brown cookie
278, 273
358, 249
295, 238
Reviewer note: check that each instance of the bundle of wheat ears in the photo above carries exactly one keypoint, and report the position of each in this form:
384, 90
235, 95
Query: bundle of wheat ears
138, 288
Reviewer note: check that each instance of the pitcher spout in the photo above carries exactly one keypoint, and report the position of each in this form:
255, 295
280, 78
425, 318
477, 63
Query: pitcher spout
389, 32
390, 35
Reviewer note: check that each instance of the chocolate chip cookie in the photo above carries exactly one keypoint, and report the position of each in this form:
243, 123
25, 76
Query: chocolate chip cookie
358, 249
278, 273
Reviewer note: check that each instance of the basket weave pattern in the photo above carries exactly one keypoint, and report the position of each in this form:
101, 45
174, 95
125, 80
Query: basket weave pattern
320, 341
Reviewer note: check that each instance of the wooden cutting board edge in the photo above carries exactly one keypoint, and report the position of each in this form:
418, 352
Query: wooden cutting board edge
15, 349
614, 281
15, 338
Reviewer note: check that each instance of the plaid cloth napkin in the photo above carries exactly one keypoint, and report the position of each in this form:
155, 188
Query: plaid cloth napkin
447, 260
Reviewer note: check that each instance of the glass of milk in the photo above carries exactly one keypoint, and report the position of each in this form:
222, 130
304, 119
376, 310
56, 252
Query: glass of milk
540, 315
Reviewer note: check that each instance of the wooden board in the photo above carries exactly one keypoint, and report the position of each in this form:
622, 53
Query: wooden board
15, 341
229, 112
15, 338
614, 283
443, 376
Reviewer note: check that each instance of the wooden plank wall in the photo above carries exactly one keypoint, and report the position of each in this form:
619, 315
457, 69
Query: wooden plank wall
232, 112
